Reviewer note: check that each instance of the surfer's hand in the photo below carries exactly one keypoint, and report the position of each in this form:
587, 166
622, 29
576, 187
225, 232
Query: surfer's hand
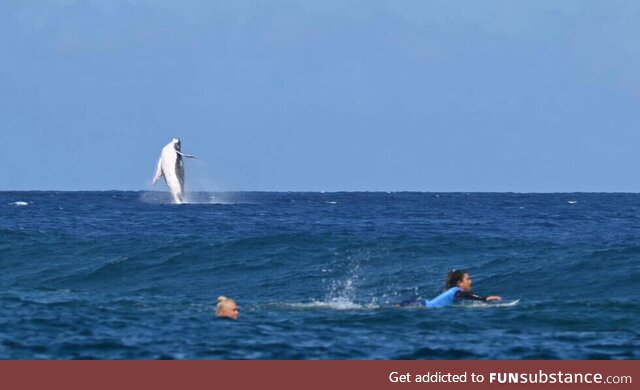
493, 298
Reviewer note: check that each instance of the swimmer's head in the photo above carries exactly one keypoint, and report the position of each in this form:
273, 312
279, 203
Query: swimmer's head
226, 308
458, 278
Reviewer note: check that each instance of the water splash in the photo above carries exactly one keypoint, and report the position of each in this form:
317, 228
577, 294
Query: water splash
208, 198
160, 197
342, 292
333, 304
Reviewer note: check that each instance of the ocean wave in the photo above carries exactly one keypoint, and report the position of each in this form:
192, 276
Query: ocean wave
616, 251
124, 275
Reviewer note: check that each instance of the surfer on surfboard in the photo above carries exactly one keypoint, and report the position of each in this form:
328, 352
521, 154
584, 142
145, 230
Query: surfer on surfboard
457, 288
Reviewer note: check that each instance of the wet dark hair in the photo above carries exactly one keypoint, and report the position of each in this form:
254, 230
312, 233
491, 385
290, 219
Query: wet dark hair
454, 277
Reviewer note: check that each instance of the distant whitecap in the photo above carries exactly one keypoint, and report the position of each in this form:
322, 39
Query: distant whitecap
20, 203
572, 201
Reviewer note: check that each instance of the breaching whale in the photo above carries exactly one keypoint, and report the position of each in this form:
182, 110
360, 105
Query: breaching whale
171, 166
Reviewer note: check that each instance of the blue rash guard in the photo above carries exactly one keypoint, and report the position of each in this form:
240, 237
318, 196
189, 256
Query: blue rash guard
447, 298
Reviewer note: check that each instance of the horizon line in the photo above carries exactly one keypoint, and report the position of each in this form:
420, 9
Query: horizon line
345, 191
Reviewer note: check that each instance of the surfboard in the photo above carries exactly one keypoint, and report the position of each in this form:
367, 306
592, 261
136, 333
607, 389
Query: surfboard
491, 304
505, 303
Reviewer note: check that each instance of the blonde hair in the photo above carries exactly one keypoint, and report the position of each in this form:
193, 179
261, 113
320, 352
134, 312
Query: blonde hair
222, 302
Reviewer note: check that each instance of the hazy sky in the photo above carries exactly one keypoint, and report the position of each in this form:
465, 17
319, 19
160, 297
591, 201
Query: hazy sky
525, 96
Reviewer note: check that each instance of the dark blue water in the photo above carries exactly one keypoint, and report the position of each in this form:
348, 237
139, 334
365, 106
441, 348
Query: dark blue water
125, 275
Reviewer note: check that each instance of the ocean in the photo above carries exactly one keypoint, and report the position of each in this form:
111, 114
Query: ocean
127, 275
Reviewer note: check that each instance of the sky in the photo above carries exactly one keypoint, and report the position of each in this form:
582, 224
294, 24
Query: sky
332, 95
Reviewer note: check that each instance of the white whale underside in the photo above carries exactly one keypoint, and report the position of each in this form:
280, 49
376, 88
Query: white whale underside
171, 167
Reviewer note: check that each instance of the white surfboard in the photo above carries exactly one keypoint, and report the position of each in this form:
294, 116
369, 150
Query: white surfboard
491, 304
505, 303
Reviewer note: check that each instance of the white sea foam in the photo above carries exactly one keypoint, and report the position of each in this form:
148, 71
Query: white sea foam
20, 203
572, 201
118, 260
333, 304
207, 198
158, 197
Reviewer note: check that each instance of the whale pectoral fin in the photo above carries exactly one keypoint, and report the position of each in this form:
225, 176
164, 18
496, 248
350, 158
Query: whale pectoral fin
185, 155
158, 172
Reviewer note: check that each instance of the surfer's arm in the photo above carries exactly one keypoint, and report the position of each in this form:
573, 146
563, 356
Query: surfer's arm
466, 295
469, 296
158, 172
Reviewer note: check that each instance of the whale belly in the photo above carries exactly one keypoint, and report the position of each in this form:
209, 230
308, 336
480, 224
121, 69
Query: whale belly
173, 172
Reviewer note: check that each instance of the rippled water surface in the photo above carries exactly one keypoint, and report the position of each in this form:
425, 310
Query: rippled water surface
126, 275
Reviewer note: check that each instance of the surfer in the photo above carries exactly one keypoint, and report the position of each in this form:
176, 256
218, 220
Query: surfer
457, 288
227, 308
